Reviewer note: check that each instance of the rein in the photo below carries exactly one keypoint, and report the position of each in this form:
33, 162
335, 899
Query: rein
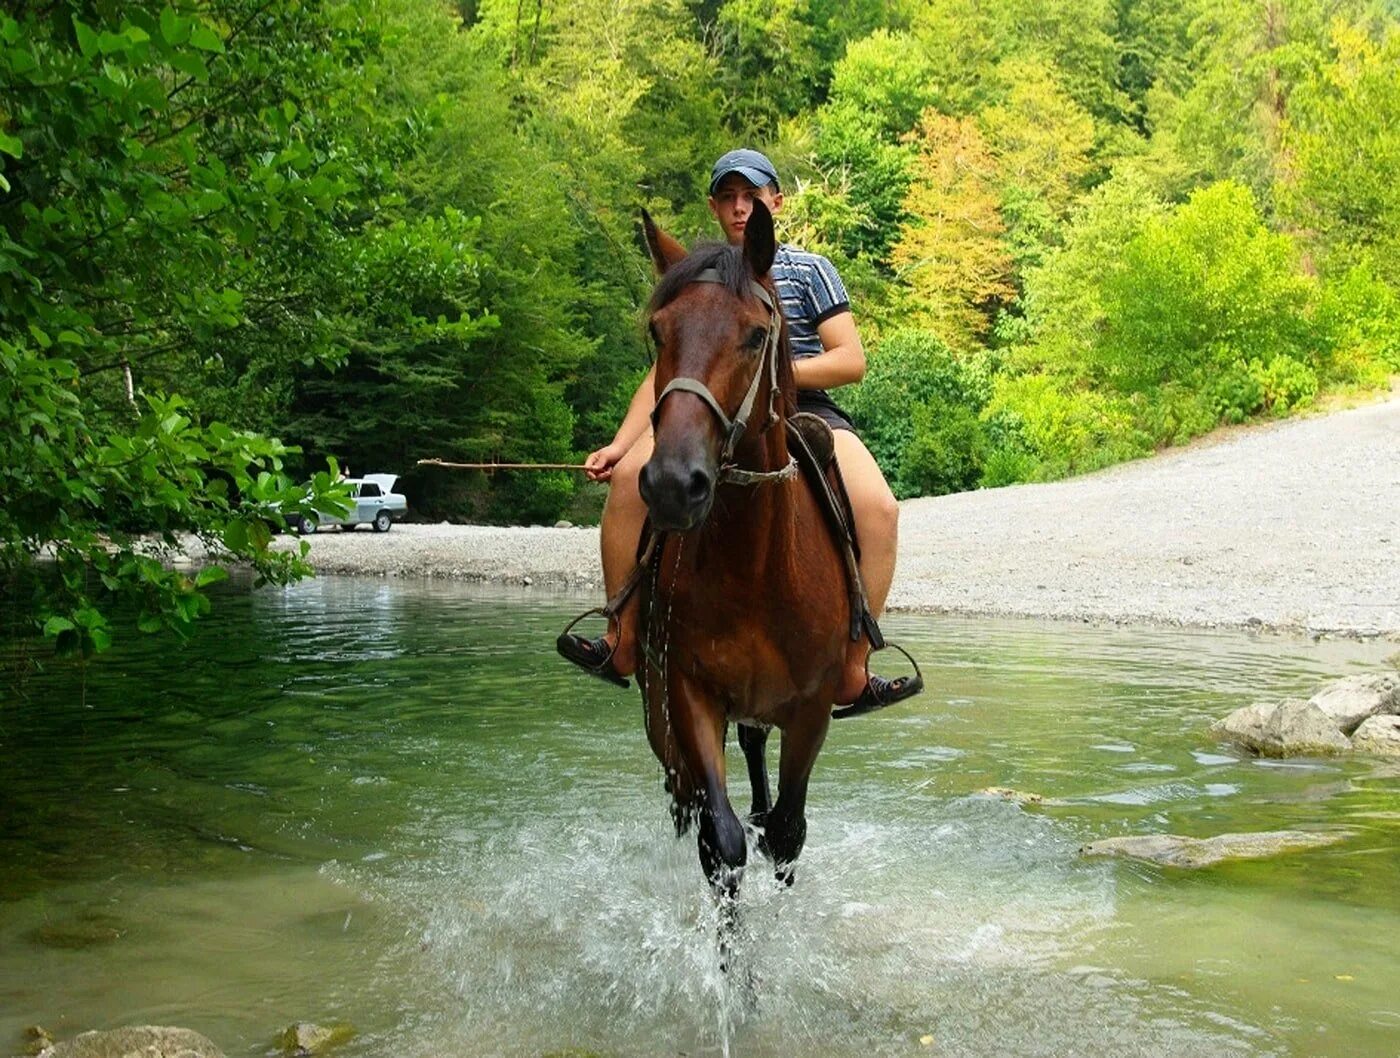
733, 429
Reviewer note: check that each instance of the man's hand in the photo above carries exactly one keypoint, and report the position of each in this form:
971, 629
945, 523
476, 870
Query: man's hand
599, 465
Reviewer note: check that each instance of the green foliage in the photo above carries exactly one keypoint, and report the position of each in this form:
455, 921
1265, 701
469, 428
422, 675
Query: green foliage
1063, 297
170, 171
1356, 329
1349, 198
917, 412
379, 232
105, 495
1042, 430
888, 78
1200, 290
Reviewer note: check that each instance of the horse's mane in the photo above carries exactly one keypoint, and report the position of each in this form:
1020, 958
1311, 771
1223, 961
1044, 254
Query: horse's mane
728, 262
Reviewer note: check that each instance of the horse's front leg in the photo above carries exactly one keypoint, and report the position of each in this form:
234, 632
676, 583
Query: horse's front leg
787, 821
698, 723
753, 740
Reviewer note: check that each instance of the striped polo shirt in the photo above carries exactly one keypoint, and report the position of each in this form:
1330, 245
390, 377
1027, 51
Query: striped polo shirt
811, 292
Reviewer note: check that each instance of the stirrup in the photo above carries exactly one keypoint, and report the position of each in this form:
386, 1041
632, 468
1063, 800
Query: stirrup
567, 647
869, 700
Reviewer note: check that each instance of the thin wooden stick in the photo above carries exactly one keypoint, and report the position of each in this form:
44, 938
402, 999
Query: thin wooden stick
501, 466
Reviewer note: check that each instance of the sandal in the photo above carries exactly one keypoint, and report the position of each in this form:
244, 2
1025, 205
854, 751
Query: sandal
594, 656
880, 692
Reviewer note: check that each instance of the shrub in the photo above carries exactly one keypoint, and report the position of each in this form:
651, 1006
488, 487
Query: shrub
1284, 383
1007, 466
1357, 324
946, 453
1175, 413
1065, 432
1201, 289
917, 411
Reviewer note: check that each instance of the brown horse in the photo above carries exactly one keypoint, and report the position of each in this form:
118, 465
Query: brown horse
745, 609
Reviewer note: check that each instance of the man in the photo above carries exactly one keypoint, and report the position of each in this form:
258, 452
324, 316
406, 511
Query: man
827, 353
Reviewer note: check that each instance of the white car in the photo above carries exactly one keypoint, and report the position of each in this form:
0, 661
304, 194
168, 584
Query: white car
373, 501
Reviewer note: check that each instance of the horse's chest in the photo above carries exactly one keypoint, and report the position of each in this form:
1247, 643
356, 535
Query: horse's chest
756, 653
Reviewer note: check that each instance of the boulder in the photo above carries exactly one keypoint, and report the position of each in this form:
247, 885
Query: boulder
1350, 701
1379, 735
305, 1038
141, 1041
1301, 729
1173, 850
1246, 726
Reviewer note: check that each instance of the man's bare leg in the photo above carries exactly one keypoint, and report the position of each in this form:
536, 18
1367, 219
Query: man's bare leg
621, 530
877, 525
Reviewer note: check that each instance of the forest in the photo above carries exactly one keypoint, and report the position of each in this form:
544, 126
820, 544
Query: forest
247, 243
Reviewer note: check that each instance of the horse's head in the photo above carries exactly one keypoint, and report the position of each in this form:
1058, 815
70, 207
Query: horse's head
720, 367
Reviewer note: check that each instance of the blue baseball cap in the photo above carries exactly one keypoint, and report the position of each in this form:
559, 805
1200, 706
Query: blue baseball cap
751, 165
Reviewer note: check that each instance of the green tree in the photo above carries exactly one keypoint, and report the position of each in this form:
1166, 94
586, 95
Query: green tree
1202, 293
1063, 302
169, 170
950, 253
1343, 140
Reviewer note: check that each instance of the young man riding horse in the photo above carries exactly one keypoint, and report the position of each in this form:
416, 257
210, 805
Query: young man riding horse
827, 353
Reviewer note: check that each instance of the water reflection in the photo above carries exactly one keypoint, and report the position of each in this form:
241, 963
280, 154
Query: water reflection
390, 804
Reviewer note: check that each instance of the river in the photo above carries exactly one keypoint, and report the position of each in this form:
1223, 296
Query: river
389, 803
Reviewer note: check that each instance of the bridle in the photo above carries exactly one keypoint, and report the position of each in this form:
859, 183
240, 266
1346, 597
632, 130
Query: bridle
733, 429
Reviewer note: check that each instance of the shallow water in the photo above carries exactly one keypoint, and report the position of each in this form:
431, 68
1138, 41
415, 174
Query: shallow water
390, 804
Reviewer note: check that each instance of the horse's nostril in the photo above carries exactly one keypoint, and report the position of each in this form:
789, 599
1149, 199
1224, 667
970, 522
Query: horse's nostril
698, 488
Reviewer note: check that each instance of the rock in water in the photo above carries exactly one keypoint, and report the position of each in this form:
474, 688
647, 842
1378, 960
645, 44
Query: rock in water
1020, 797
305, 1038
142, 1041
1246, 726
1379, 735
1350, 701
1173, 850
1301, 729
37, 1040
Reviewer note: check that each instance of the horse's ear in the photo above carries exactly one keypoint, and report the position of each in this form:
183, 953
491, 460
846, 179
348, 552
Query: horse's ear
760, 244
665, 251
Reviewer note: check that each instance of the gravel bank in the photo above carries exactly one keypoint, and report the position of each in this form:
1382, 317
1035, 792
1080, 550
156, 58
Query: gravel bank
1293, 525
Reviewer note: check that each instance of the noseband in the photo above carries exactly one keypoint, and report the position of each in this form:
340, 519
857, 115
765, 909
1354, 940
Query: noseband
733, 429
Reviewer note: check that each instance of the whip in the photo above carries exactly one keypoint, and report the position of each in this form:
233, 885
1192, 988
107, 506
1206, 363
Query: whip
500, 466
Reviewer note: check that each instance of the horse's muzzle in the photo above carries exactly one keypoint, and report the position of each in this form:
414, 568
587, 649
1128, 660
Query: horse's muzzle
678, 493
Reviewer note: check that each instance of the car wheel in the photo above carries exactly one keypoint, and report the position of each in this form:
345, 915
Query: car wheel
307, 523
382, 521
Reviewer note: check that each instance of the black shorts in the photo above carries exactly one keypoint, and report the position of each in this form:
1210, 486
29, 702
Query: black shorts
819, 403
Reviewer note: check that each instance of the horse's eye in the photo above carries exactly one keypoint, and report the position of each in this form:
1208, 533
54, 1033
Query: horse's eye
655, 335
754, 341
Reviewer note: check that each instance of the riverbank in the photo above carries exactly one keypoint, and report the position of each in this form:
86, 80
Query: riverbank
1292, 526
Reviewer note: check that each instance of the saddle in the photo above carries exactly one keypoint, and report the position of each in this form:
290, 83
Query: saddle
811, 443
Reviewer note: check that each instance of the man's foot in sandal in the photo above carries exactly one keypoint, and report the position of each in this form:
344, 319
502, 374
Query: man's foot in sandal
594, 656
880, 692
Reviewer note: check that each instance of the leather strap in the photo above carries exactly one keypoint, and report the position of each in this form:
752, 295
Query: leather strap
733, 429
